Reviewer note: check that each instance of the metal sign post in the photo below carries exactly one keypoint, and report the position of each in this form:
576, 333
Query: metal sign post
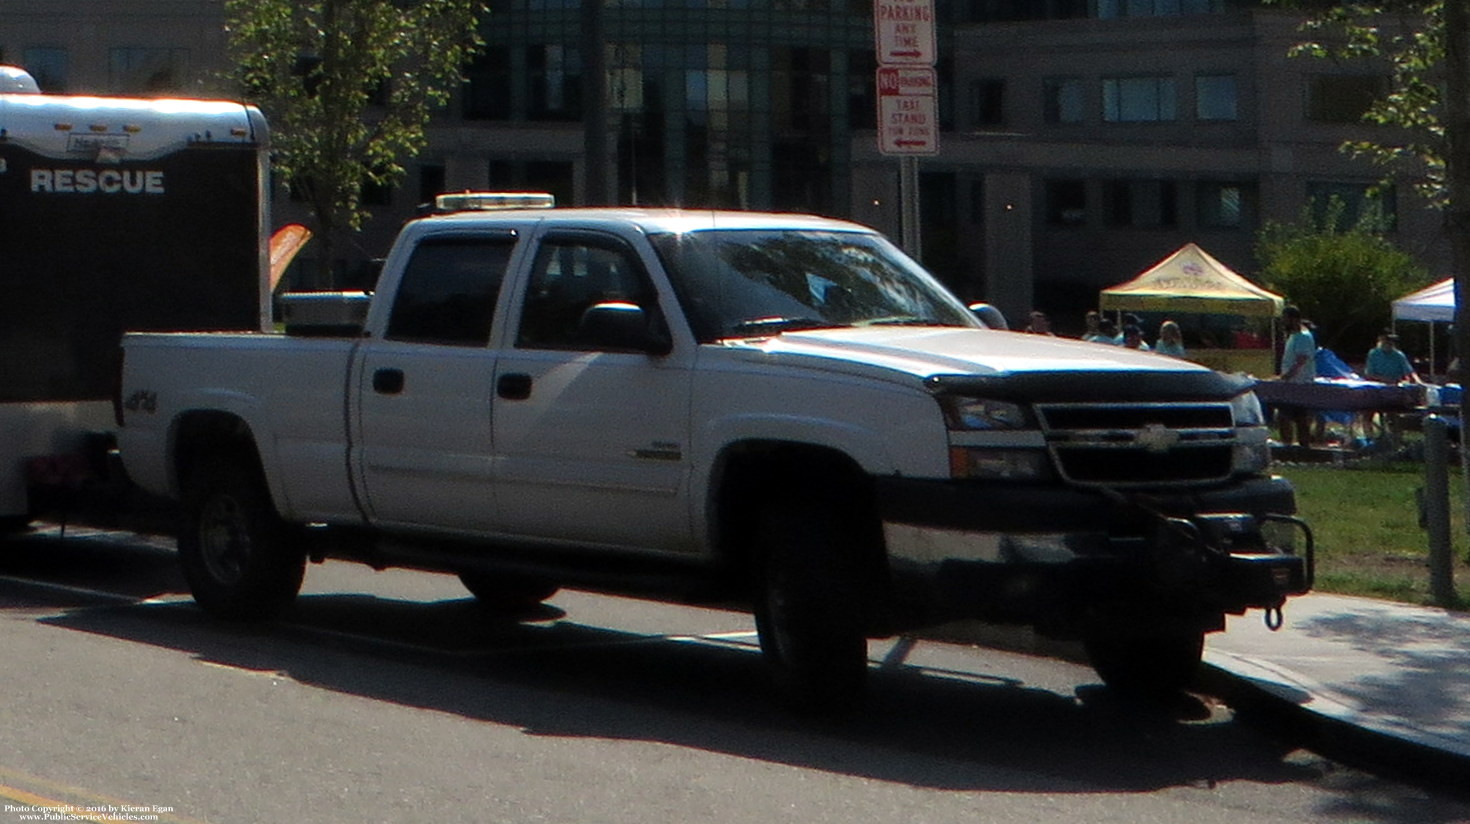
908, 122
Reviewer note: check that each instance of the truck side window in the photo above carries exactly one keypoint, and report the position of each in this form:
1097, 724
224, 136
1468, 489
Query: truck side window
570, 276
448, 291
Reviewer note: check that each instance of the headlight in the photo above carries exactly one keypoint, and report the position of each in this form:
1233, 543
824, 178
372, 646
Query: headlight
1246, 409
982, 413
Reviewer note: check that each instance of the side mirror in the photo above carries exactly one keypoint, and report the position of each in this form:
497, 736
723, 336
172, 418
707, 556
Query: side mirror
989, 315
623, 326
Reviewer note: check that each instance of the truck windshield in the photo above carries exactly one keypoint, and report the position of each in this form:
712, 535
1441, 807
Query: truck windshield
757, 282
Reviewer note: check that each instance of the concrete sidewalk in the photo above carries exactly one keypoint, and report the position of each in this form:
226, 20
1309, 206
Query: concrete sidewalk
1387, 680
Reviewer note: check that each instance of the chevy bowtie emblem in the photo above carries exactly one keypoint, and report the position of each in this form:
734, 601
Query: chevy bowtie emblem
1157, 438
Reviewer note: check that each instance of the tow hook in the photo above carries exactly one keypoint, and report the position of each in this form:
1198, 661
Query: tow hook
1274, 619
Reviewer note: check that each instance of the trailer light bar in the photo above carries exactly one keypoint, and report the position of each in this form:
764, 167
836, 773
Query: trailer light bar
491, 201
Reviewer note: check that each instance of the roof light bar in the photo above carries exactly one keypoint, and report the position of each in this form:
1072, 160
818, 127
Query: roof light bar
491, 201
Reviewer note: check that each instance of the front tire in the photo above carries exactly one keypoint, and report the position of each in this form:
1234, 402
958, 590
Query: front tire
241, 560
808, 611
507, 592
1146, 666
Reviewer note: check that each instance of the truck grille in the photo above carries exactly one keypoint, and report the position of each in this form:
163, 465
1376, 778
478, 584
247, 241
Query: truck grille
1139, 444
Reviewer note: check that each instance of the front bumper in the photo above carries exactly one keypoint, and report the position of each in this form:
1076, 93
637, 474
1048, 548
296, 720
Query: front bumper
1060, 558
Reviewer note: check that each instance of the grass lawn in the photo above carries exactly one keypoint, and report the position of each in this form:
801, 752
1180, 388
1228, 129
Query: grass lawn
1366, 523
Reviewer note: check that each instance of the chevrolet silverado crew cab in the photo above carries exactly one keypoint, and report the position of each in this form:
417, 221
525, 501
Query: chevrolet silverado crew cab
778, 408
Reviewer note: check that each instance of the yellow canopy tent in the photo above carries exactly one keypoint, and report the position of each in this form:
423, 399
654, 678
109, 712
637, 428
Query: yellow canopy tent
1191, 281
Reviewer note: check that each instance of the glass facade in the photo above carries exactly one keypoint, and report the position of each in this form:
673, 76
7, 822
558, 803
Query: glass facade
711, 103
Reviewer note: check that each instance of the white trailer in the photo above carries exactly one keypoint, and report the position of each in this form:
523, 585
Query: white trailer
115, 214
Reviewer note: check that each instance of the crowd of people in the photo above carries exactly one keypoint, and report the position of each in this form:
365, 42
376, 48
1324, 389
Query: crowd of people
1101, 329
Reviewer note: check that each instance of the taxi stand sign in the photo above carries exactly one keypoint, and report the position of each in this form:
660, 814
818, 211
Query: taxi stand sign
908, 121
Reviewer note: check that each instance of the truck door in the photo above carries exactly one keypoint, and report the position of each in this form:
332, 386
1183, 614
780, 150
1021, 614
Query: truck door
424, 390
591, 443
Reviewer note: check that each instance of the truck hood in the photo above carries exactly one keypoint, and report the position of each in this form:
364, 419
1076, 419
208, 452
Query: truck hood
993, 362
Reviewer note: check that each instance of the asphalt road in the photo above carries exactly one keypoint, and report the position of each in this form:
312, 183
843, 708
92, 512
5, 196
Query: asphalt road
390, 697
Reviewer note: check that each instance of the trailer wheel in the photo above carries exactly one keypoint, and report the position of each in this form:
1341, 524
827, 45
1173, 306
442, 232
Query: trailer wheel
1146, 666
808, 610
507, 592
241, 560
14, 525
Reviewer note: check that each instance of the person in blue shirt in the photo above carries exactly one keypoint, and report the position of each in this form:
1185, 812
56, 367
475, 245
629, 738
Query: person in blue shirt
1298, 365
1387, 363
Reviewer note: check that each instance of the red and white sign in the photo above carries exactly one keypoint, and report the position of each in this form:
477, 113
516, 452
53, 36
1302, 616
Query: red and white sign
908, 118
904, 31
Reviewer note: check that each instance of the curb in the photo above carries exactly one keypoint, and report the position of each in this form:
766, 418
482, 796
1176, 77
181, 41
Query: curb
1330, 725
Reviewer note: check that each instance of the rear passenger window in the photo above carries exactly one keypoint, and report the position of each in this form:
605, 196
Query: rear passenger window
449, 289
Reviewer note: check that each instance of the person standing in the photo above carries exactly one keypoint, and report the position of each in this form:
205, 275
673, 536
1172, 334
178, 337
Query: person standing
1171, 340
1040, 324
1298, 365
1092, 327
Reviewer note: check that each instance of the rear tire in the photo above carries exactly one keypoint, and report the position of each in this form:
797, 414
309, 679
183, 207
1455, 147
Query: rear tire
1146, 666
241, 560
809, 612
507, 592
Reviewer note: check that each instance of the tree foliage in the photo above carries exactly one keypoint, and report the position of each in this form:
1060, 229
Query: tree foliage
1344, 277
348, 86
1408, 38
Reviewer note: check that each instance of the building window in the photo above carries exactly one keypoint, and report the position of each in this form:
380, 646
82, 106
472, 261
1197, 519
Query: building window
1225, 205
988, 95
1066, 202
431, 181
1002, 11
1343, 98
1215, 97
1145, 204
1063, 100
147, 70
1138, 99
1108, 9
487, 86
1338, 205
862, 89
48, 66
555, 74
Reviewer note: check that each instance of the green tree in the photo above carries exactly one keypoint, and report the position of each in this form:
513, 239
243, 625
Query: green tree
1344, 277
1426, 43
348, 86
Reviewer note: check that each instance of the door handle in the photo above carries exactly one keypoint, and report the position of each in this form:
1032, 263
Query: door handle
515, 386
388, 381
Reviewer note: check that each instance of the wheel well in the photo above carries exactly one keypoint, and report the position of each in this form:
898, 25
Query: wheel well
211, 436
756, 473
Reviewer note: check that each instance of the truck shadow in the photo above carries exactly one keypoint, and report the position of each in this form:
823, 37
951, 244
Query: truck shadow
61, 567
553, 677
980, 729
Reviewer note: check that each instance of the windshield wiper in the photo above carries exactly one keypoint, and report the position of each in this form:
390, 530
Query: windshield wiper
757, 327
903, 320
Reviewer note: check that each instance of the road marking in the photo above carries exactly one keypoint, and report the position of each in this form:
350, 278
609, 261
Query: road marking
274, 675
86, 592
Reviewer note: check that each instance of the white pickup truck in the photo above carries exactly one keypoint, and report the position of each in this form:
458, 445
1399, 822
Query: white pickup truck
699, 404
